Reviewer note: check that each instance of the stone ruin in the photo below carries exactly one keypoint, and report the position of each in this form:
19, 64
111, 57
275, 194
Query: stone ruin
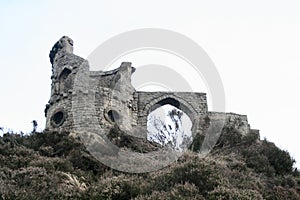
98, 100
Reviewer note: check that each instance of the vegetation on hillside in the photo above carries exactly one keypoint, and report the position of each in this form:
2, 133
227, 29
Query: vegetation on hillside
56, 166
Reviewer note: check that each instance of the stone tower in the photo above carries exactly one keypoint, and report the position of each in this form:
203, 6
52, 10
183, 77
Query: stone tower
64, 66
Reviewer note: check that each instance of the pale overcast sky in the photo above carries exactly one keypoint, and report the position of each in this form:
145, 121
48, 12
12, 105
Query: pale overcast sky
255, 46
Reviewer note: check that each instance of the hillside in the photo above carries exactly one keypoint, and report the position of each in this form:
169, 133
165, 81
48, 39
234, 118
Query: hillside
52, 165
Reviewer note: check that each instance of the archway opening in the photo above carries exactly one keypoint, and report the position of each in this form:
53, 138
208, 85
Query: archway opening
169, 126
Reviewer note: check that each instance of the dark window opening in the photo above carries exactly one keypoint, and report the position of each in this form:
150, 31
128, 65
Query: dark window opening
64, 74
64, 84
113, 115
58, 118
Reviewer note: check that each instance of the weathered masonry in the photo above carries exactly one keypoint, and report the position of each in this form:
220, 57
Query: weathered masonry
82, 98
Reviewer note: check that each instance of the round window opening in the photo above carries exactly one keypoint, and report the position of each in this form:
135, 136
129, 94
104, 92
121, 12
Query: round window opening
113, 115
58, 118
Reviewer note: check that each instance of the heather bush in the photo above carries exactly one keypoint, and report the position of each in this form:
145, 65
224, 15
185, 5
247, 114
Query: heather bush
269, 159
222, 193
229, 137
178, 192
56, 166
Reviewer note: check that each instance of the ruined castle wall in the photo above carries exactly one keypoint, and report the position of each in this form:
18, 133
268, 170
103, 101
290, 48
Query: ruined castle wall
82, 99
102, 104
114, 98
236, 121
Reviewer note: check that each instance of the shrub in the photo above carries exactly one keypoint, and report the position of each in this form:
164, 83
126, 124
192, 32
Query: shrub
222, 193
193, 171
178, 192
197, 143
229, 137
269, 159
279, 159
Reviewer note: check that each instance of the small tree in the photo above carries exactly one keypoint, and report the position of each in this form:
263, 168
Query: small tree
169, 133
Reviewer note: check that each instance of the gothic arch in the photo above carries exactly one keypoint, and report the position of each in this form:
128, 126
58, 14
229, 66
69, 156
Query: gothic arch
172, 100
